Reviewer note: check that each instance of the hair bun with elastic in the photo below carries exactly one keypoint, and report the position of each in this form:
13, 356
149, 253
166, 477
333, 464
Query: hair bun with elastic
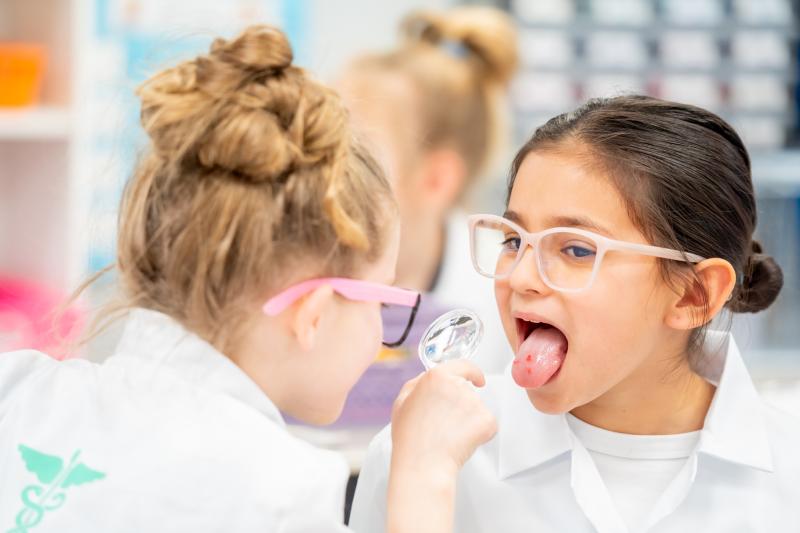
761, 283
481, 32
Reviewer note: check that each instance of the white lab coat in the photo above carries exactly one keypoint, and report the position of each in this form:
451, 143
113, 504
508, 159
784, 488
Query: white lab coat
167, 435
459, 285
535, 476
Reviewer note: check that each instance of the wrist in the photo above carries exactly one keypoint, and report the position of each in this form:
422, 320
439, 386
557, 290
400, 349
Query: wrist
441, 470
421, 497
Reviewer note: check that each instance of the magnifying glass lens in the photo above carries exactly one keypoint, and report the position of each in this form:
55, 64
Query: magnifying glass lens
454, 335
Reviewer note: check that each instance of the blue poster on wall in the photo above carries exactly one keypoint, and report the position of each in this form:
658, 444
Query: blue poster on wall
132, 39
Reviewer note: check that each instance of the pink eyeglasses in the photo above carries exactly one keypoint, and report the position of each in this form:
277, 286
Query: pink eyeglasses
353, 289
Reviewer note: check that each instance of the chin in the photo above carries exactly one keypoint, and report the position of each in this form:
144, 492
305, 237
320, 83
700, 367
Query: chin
548, 404
323, 414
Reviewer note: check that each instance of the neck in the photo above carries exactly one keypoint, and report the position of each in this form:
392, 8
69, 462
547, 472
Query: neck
267, 368
664, 397
421, 251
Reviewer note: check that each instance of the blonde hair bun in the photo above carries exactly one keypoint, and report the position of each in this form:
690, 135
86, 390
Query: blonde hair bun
485, 32
243, 109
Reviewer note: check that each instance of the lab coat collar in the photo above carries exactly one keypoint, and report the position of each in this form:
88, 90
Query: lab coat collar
734, 428
159, 339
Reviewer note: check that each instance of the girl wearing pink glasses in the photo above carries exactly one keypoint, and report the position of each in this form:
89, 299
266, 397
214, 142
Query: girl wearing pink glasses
257, 242
628, 227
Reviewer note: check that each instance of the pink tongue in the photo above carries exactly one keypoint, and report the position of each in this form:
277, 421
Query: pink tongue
539, 357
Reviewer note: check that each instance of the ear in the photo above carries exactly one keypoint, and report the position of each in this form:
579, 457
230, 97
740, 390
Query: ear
443, 174
307, 314
717, 278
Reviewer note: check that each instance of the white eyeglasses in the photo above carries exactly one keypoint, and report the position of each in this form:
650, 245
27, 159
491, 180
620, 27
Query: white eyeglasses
568, 258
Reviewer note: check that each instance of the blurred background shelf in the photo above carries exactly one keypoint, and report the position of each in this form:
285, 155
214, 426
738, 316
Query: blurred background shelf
44, 182
34, 124
774, 364
777, 173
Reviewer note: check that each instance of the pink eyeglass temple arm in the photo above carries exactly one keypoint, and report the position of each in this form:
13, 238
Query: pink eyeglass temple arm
352, 289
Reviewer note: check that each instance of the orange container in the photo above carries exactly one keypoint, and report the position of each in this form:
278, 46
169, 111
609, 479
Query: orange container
21, 69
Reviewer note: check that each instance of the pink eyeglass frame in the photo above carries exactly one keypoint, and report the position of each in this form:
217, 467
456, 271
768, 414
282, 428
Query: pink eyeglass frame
352, 289
604, 244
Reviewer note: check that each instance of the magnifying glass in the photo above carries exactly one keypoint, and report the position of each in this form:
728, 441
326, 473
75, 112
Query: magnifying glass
454, 335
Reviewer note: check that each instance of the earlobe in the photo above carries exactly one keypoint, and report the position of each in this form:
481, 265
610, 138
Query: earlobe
307, 315
704, 296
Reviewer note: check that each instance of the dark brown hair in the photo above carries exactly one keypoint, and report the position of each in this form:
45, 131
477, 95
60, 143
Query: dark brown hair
684, 175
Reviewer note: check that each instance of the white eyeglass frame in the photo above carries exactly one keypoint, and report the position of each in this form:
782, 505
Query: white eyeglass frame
604, 244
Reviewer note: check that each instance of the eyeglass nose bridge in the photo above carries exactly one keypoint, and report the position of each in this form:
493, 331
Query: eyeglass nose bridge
529, 242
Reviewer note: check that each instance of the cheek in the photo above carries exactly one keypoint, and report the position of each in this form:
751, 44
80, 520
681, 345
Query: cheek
355, 339
366, 334
622, 305
612, 330
502, 295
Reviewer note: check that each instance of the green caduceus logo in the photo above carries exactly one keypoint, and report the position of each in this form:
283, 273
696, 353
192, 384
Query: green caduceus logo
55, 479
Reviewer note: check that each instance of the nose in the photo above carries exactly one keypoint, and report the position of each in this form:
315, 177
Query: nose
525, 277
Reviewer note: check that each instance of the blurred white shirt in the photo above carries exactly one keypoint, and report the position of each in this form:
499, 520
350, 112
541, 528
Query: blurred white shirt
459, 285
166, 435
537, 474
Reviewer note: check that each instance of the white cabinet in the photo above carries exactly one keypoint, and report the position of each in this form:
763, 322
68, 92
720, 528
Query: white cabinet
44, 185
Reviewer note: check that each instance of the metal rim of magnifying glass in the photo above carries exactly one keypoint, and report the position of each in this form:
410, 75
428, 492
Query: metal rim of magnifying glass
447, 317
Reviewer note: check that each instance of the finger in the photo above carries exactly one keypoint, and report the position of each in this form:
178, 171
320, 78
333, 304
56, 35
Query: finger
407, 388
466, 370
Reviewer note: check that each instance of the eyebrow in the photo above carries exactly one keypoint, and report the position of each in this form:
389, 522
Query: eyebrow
570, 221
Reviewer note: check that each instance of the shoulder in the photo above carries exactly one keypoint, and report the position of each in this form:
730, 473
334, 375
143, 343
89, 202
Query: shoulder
23, 370
783, 430
17, 367
783, 436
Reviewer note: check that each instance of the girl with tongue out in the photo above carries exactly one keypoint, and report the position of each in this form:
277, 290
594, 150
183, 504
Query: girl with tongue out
628, 228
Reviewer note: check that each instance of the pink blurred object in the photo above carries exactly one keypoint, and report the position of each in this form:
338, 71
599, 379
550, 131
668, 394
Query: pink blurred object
28, 319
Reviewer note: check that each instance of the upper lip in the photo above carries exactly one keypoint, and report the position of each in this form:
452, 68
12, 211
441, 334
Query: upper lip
533, 317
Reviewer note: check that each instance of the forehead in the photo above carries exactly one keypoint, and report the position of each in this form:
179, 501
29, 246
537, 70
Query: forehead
553, 186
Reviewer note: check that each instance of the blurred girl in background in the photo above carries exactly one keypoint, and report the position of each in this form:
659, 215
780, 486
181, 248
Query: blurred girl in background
434, 112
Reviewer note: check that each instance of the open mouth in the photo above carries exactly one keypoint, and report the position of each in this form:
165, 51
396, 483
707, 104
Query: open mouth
542, 348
